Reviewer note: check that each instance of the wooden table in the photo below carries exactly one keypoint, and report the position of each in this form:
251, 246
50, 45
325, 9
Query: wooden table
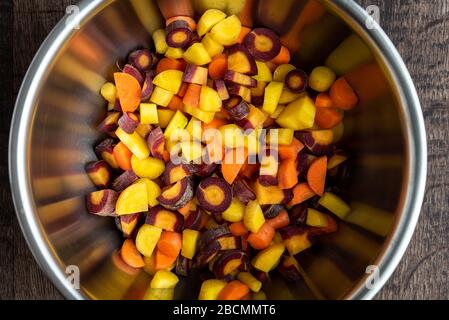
420, 31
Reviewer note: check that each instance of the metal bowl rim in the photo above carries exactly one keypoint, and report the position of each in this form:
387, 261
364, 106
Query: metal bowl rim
395, 245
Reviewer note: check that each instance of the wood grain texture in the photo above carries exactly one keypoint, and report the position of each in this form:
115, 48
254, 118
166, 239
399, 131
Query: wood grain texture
419, 29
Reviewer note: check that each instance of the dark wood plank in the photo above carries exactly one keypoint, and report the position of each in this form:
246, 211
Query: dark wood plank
418, 29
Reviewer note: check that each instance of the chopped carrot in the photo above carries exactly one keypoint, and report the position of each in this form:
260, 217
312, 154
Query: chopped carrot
316, 175
332, 225
323, 100
182, 91
327, 118
214, 124
291, 151
186, 209
176, 104
166, 156
170, 64
249, 170
130, 255
288, 174
232, 164
162, 261
234, 290
175, 8
192, 96
190, 21
238, 229
283, 57
243, 32
244, 242
170, 243
218, 66
122, 156
268, 123
223, 114
343, 95
301, 193
262, 238
246, 14
204, 219
280, 221
128, 91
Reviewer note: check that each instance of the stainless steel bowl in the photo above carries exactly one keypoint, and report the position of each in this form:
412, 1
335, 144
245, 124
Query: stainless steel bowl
58, 106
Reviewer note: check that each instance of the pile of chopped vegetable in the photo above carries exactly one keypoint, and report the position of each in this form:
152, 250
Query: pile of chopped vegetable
235, 221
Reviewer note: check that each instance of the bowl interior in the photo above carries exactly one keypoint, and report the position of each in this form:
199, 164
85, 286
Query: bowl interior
67, 107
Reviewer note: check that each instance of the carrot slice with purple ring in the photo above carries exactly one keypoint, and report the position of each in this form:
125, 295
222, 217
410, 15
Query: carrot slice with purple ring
129, 122
165, 219
241, 60
228, 262
142, 59
214, 195
236, 107
99, 172
263, 44
178, 34
131, 70
102, 203
176, 172
147, 87
296, 81
177, 195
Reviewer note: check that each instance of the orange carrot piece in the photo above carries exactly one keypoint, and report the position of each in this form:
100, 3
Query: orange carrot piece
301, 193
166, 156
323, 100
130, 255
214, 124
316, 175
218, 66
163, 261
182, 91
170, 64
128, 91
327, 118
291, 151
283, 57
234, 290
288, 174
170, 243
186, 209
122, 156
190, 21
174, 8
343, 95
246, 14
243, 32
238, 229
280, 221
262, 238
192, 96
176, 104
232, 164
